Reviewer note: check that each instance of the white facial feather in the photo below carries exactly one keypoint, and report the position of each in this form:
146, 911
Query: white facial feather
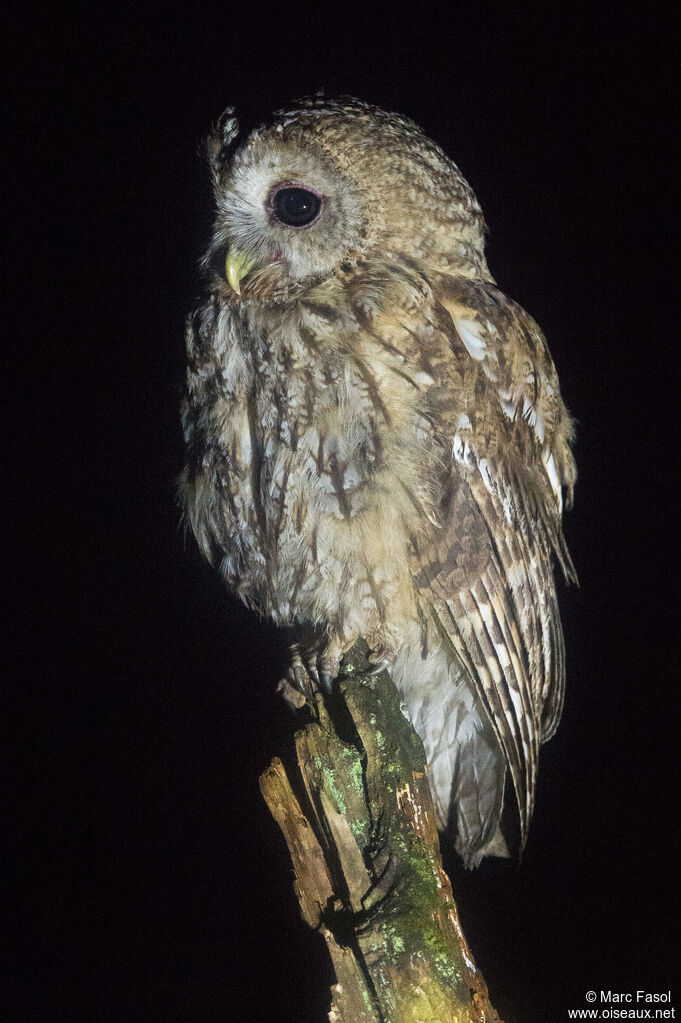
246, 221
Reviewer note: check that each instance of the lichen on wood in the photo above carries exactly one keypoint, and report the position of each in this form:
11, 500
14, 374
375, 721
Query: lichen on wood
356, 811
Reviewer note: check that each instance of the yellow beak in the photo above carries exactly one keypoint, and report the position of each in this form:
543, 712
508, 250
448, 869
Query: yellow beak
237, 265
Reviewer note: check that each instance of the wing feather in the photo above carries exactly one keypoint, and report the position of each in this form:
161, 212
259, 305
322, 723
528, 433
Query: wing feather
488, 574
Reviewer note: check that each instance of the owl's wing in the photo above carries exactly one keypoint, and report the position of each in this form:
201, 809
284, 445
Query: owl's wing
487, 577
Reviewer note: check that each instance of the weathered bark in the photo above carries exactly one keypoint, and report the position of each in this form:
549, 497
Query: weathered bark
368, 874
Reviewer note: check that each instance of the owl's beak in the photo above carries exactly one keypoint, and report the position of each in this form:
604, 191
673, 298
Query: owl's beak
237, 265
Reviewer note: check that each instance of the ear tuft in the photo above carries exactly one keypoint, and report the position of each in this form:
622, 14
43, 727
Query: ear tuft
221, 139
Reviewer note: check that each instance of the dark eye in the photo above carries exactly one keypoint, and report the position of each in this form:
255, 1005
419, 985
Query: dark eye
296, 207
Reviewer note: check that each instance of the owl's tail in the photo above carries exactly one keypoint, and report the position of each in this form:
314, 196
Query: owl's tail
466, 766
477, 799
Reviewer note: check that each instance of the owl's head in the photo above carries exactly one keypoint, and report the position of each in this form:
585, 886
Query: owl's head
328, 186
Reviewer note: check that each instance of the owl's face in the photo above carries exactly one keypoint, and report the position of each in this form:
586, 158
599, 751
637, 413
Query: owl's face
285, 206
327, 185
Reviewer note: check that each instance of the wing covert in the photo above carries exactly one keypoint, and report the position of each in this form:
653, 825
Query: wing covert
487, 576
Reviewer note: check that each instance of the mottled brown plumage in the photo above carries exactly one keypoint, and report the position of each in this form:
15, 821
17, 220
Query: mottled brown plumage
377, 445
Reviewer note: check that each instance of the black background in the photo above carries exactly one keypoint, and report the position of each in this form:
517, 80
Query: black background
151, 885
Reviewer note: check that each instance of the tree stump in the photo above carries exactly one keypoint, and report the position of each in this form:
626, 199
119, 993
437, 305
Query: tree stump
357, 815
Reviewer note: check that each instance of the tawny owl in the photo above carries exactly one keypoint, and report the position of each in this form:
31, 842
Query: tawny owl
377, 444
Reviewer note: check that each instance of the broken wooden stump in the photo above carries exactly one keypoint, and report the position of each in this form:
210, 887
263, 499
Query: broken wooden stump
357, 815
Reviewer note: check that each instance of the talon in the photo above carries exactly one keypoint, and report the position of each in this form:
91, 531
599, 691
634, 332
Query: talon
328, 671
299, 675
298, 687
298, 672
326, 680
312, 669
296, 659
293, 696
380, 666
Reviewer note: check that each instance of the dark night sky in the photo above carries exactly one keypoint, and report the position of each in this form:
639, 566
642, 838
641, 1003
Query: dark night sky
151, 884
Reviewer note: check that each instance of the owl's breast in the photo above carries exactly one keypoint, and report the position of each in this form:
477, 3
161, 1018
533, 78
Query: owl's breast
315, 446
320, 458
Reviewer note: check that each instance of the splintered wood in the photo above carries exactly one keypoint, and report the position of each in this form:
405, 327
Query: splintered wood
356, 812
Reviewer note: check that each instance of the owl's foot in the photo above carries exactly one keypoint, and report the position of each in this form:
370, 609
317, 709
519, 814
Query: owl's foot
381, 657
328, 671
298, 685
311, 669
291, 693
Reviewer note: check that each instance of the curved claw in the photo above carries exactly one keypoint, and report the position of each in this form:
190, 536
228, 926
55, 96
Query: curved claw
328, 672
313, 671
297, 688
327, 678
380, 666
291, 694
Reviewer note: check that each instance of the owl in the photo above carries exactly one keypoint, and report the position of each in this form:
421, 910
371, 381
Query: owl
377, 444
